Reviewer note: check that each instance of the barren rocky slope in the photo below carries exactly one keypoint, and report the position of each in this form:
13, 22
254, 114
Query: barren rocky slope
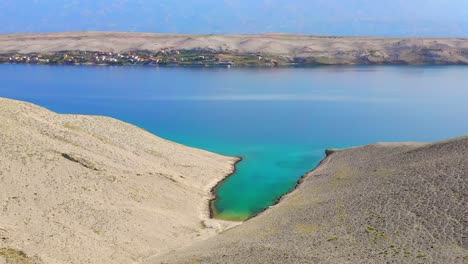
383, 203
284, 48
90, 189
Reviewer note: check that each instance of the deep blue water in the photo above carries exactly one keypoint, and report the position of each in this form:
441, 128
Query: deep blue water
279, 120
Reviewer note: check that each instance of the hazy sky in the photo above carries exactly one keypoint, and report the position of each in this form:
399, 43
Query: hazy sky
325, 17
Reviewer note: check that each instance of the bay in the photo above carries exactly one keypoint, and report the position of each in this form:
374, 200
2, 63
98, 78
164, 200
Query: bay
279, 120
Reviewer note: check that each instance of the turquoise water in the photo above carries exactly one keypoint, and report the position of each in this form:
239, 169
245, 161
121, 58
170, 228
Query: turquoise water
279, 120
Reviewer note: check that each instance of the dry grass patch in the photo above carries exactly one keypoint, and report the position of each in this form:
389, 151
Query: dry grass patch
14, 256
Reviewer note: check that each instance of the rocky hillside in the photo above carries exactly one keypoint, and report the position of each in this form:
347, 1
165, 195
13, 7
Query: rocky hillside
383, 203
91, 189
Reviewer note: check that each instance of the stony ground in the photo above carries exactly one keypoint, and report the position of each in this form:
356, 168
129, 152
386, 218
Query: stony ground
90, 189
383, 203
302, 49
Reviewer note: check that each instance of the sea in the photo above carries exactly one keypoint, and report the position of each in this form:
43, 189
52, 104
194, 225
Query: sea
279, 120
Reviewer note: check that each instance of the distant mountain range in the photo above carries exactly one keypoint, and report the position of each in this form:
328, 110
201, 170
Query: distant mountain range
331, 17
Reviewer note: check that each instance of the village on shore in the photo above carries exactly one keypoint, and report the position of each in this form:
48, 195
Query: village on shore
154, 58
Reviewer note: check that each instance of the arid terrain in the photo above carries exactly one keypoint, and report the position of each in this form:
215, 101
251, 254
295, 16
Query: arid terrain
91, 189
383, 203
245, 50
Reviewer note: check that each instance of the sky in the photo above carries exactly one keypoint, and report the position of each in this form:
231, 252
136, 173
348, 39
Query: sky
318, 17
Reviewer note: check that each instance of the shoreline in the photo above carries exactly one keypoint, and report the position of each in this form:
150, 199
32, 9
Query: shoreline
339, 206
237, 67
328, 153
214, 196
258, 50
241, 66
118, 179
298, 183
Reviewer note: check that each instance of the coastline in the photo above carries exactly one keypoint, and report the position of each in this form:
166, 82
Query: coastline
213, 189
328, 153
261, 50
298, 183
239, 67
245, 66
122, 174
357, 203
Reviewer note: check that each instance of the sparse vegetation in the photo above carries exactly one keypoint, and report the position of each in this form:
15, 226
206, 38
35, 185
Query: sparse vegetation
71, 126
228, 50
14, 256
196, 57
376, 233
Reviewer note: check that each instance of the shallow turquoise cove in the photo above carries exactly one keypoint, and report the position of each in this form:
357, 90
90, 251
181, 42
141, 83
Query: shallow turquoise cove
279, 120
263, 176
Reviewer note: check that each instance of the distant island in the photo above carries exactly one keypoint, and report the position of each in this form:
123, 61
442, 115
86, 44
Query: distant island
263, 50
